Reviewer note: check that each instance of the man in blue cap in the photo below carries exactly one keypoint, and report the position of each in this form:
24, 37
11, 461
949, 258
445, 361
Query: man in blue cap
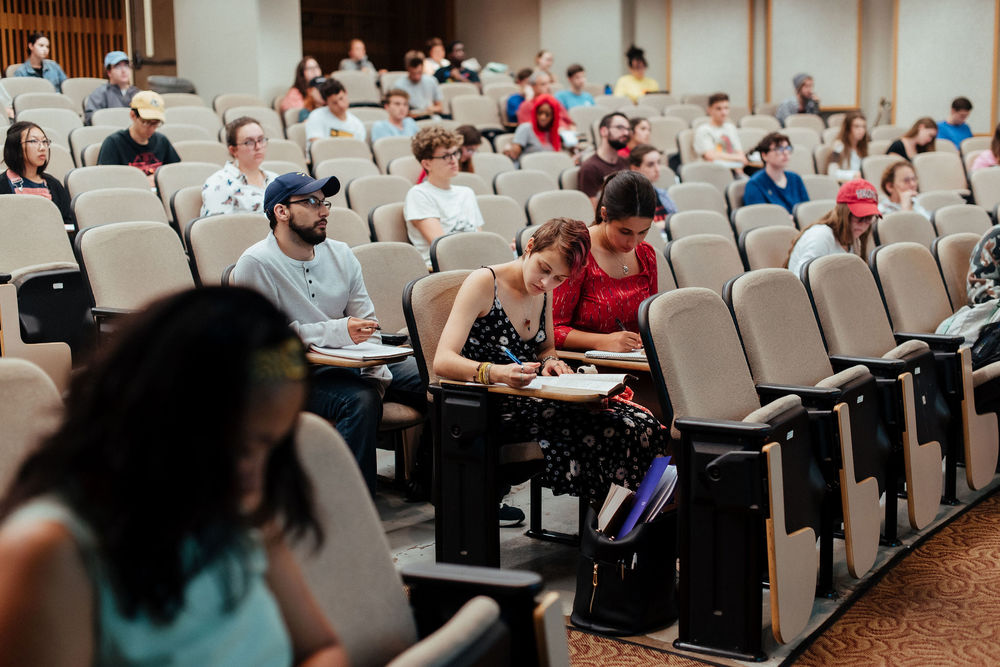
117, 92
318, 283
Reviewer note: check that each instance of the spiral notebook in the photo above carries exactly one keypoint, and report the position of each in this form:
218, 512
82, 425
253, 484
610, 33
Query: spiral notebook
634, 355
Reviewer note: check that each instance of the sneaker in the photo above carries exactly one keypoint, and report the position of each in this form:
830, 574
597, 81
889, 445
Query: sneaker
510, 516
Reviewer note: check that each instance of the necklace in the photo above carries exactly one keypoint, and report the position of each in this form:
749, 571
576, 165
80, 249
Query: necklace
527, 315
624, 257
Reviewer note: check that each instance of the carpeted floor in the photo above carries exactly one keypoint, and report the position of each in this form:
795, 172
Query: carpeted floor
587, 650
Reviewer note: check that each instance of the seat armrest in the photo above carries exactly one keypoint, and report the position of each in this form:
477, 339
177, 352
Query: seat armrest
4, 278
109, 313
937, 342
878, 366
825, 397
721, 427
460, 576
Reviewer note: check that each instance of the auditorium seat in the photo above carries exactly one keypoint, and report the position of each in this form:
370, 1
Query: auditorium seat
474, 181
502, 215
182, 100
104, 205
986, 188
766, 122
83, 179
345, 169
30, 403
387, 223
387, 149
767, 247
810, 120
346, 226
572, 204
476, 110
266, 117
217, 241
686, 111
226, 100
703, 260
406, 166
26, 101
697, 196
465, 250
873, 166
79, 89
170, 178
688, 223
552, 163
185, 206
453, 89
364, 193
821, 186
904, 226
57, 123
940, 171
959, 218
521, 184
712, 173
338, 147
886, 132
175, 132
194, 115
953, 254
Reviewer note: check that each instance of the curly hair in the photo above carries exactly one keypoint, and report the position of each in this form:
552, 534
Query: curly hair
429, 139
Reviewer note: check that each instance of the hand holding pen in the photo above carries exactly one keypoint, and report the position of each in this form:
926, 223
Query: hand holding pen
623, 340
360, 329
518, 374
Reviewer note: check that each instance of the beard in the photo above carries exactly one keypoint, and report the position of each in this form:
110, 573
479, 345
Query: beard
307, 232
617, 144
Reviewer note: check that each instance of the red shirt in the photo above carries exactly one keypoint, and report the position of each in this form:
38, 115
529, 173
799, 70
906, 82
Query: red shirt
592, 300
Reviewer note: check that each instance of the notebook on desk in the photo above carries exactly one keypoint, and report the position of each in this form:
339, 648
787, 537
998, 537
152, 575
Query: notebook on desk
366, 351
634, 355
599, 383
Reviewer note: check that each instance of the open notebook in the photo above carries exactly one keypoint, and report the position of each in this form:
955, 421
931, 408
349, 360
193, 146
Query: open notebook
634, 355
599, 383
365, 351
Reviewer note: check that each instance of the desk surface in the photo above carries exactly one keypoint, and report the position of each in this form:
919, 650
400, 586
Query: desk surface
343, 362
631, 366
566, 395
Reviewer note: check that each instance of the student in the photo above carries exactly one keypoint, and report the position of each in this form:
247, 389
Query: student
645, 159
514, 102
613, 132
333, 119
639, 133
597, 308
804, 101
718, 140
38, 63
357, 58
983, 284
26, 155
509, 306
575, 95
298, 95
435, 56
846, 228
849, 149
955, 129
635, 84
543, 63
239, 186
399, 123
471, 141
541, 84
456, 70
899, 182
918, 139
425, 95
773, 184
140, 145
989, 157
540, 132
154, 524
117, 92
436, 207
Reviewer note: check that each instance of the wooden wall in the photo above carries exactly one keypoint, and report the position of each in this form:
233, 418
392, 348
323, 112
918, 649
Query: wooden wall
81, 32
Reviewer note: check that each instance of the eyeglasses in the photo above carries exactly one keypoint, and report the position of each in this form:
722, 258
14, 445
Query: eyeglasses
254, 143
36, 143
782, 149
621, 127
454, 155
311, 202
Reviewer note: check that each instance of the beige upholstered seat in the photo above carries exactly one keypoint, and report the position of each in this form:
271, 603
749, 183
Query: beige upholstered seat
185, 205
734, 194
287, 150
687, 223
664, 131
761, 215
82, 137
658, 100
347, 226
810, 120
52, 358
767, 247
83, 179
952, 254
765, 122
30, 409
551, 162
182, 100
821, 186
712, 173
803, 138
750, 137
961, 218
520, 185
201, 116
228, 100
474, 181
386, 287
183, 132
345, 169
217, 241
367, 192
612, 102
388, 149
808, 212
453, 89
465, 250
474, 109
917, 302
940, 171
79, 89
904, 226
117, 117
60, 162
98, 207
573, 204
202, 151
16, 85
388, 224
57, 123
26, 101
266, 117
704, 260
501, 214
873, 166
129, 264
32, 237
489, 165
406, 166
639, 111
886, 132
338, 147
685, 145
686, 111
697, 196
932, 200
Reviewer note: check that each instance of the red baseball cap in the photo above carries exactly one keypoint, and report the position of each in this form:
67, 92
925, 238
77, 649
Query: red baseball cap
860, 196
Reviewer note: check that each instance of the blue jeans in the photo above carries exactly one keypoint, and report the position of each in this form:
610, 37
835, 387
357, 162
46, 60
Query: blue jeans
352, 403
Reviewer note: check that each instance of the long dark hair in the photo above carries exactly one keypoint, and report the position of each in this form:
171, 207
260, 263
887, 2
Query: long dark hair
147, 454
626, 194
301, 82
13, 149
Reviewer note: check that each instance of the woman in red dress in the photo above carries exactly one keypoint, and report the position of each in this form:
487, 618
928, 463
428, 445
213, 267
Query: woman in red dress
598, 308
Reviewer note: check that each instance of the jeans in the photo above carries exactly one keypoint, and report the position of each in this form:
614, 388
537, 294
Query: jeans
351, 402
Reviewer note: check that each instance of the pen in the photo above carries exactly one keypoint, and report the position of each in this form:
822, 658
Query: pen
511, 355
620, 324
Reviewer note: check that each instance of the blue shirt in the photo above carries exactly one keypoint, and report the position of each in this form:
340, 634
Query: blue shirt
514, 103
384, 128
51, 72
954, 133
762, 190
569, 99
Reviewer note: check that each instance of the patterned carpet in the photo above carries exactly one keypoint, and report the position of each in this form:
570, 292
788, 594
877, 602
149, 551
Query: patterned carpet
587, 650
939, 606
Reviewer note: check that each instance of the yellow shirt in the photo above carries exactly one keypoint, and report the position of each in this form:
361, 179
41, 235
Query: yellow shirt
634, 88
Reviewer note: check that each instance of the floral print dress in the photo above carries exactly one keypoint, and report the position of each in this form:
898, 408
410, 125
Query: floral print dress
587, 447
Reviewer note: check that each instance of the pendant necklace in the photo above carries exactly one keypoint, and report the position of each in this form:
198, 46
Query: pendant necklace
624, 257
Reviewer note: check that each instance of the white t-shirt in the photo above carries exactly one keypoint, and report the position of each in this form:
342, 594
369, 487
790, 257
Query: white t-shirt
708, 137
322, 123
455, 207
817, 241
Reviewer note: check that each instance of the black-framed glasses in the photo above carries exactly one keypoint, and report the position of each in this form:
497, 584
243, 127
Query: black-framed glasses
783, 149
454, 155
254, 143
311, 202
35, 143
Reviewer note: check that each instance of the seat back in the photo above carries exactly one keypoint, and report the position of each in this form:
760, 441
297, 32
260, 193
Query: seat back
338, 147
686, 111
707, 172
986, 187
685, 146
98, 207
185, 205
761, 121
551, 162
217, 241
89, 156
573, 204
776, 323
346, 226
180, 100
704, 260
808, 212
697, 197
54, 359
767, 247
82, 137
201, 116
83, 179
202, 151
932, 200
227, 100
489, 165
474, 181
734, 194
353, 580
360, 86
452, 252
172, 177
474, 109
694, 351
663, 133
129, 264
873, 166
26, 101
940, 171
406, 166
809, 120
821, 186
345, 169
911, 287
848, 306
657, 100
612, 102
266, 117
750, 137
953, 255
427, 302
687, 223
387, 223
386, 287
761, 215
30, 410
117, 117
388, 149
803, 138
960, 218
32, 234
522, 184
887, 132
60, 162
18, 85
904, 226
287, 150
801, 161
366, 192
502, 215
57, 123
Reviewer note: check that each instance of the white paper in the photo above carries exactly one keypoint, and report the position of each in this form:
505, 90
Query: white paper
364, 351
634, 355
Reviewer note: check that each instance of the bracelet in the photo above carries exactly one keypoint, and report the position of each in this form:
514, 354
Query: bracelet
548, 358
483, 373
489, 367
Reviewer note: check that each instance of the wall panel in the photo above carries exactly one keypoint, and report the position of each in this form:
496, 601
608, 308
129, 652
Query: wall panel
709, 47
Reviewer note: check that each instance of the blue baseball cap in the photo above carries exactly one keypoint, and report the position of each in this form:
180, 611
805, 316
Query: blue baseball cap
114, 57
297, 183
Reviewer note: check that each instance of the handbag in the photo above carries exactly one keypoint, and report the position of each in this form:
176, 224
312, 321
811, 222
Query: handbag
968, 321
986, 349
627, 586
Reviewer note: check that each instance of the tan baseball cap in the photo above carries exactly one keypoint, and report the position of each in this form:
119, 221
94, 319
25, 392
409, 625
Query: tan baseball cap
149, 105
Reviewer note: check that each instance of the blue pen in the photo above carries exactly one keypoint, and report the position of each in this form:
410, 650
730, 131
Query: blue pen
511, 355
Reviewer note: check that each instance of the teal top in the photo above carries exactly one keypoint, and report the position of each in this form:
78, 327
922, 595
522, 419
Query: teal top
211, 628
